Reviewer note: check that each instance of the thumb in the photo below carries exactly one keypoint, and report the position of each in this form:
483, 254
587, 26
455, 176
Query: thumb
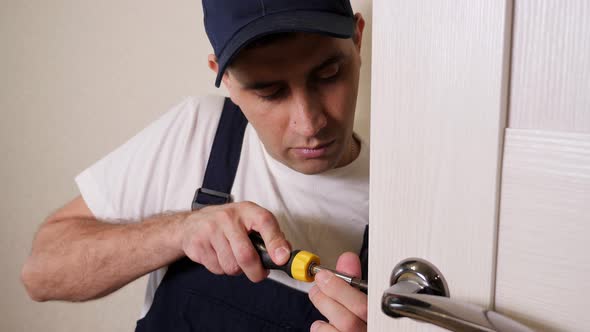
350, 264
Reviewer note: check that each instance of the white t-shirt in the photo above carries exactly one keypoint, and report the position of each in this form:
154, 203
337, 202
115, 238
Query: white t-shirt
160, 168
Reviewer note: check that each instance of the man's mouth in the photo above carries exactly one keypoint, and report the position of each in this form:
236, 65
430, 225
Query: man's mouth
311, 152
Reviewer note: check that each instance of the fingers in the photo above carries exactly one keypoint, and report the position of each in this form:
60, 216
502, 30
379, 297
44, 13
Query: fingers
208, 258
339, 316
225, 255
265, 223
245, 255
321, 326
344, 306
350, 264
218, 238
355, 301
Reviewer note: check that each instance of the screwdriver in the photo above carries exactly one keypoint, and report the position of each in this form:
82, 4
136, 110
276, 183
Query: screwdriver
302, 265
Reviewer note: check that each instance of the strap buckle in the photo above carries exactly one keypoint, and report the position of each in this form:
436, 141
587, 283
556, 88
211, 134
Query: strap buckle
211, 197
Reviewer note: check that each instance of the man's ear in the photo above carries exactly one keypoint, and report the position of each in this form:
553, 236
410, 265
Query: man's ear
358, 31
214, 66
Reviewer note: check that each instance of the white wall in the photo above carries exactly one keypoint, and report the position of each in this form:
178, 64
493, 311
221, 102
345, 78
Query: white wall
78, 78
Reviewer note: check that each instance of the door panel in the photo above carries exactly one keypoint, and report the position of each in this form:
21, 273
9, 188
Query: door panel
438, 103
550, 86
543, 264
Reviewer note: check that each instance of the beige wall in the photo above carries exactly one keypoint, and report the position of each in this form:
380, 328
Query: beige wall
78, 78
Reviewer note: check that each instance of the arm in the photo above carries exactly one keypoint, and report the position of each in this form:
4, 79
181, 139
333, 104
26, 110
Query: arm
345, 307
76, 257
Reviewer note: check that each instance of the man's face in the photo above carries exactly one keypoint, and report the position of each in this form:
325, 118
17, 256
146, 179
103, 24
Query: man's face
299, 93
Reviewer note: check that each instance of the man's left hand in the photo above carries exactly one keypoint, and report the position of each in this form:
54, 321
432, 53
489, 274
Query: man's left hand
345, 307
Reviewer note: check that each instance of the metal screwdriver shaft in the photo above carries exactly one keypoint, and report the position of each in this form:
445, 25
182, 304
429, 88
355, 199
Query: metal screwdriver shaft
355, 282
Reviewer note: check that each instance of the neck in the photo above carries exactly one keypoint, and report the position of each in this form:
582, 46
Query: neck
353, 151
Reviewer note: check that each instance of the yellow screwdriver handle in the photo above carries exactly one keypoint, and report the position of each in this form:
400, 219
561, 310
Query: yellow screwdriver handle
301, 264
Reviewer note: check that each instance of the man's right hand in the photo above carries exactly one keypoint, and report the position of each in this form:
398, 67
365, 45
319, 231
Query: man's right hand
217, 237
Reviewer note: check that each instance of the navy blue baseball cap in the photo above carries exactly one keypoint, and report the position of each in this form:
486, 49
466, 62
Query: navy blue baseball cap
233, 24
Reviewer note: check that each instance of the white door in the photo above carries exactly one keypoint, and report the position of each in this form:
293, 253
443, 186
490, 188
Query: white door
480, 154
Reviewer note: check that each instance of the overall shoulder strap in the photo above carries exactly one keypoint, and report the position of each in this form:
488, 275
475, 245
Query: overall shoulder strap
224, 158
364, 254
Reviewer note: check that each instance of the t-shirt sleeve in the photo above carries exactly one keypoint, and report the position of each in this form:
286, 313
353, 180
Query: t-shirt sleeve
132, 182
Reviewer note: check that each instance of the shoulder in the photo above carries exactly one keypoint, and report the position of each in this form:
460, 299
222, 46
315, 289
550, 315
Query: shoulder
204, 106
192, 115
191, 121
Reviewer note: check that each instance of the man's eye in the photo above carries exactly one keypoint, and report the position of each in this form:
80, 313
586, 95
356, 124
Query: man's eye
329, 72
270, 93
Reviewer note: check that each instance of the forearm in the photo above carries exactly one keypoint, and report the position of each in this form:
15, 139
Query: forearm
80, 259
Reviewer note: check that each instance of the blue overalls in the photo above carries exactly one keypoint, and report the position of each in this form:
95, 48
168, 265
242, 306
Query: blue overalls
190, 298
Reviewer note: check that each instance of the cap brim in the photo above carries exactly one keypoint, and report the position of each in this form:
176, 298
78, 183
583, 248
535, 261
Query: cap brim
326, 23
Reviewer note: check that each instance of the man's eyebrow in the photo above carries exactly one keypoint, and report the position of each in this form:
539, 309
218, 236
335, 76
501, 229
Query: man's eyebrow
260, 85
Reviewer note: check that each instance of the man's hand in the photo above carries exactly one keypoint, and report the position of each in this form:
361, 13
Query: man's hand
344, 306
217, 237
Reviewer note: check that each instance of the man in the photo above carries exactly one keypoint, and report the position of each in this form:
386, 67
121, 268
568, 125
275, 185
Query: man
292, 67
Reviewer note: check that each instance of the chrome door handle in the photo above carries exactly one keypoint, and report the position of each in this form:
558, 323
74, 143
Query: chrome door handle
419, 291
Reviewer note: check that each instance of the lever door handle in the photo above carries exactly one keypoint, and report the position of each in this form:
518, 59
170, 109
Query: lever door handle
419, 291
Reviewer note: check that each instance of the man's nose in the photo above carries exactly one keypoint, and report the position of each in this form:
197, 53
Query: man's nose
307, 116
